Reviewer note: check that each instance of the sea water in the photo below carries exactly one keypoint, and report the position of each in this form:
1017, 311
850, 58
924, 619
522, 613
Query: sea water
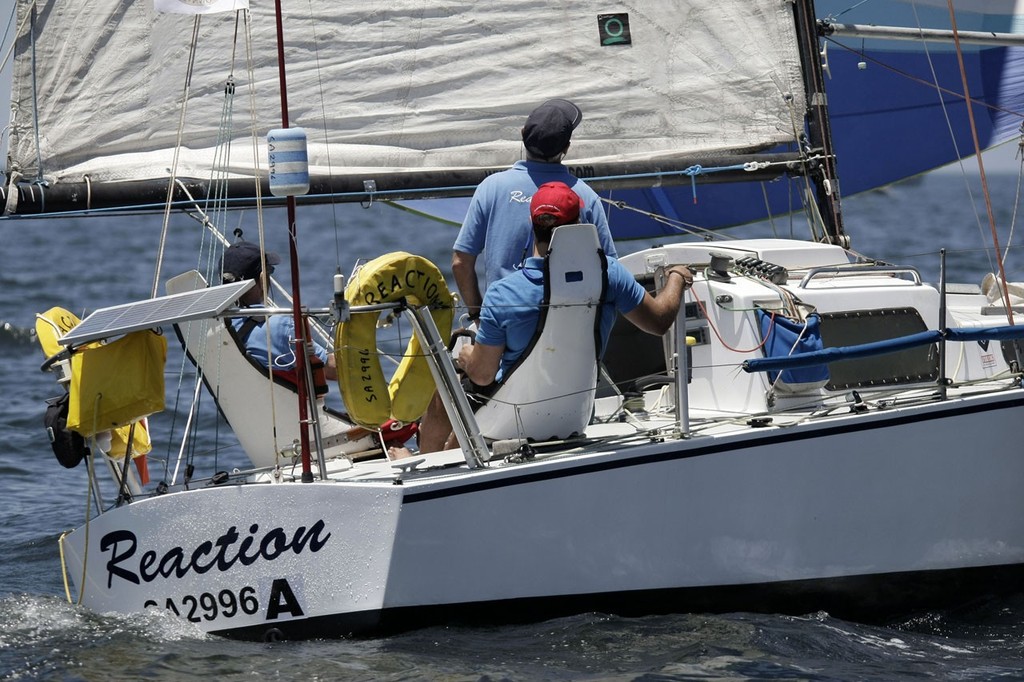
84, 264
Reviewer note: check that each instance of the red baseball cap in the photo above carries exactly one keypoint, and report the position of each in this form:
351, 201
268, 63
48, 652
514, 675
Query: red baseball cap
558, 200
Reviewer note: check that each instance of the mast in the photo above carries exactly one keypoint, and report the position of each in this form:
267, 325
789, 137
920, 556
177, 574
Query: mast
819, 130
301, 328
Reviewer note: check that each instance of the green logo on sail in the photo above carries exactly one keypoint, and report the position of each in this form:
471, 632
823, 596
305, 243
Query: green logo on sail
614, 29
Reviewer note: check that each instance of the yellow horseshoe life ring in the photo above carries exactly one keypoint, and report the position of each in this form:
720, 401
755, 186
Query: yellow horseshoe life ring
371, 401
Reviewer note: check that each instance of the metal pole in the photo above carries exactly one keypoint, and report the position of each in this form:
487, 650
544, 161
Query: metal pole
920, 34
819, 129
943, 379
682, 370
450, 389
301, 330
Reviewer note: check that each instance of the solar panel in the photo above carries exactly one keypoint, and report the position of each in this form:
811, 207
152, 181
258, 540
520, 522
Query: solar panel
155, 312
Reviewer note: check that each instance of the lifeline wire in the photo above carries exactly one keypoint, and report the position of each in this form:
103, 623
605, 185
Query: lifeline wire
981, 163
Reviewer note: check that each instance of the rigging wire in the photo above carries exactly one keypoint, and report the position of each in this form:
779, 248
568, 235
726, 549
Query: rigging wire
327, 146
981, 164
1017, 195
949, 126
796, 130
970, 103
768, 210
172, 181
264, 276
162, 244
18, 31
680, 227
212, 213
921, 81
833, 17
250, 67
35, 98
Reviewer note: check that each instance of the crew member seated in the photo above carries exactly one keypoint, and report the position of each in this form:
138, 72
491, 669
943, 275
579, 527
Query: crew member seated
243, 260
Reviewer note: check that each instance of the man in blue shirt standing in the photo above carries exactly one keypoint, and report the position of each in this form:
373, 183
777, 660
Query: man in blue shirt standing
497, 223
244, 260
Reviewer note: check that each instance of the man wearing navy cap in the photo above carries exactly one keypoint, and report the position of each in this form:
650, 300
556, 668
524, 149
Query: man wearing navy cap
497, 222
244, 260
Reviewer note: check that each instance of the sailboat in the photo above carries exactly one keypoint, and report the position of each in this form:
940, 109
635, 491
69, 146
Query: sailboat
819, 431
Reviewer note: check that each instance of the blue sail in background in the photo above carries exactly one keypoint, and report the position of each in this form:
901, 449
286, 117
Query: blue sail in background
889, 122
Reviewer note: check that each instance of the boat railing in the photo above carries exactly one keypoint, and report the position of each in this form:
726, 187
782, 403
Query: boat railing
834, 354
832, 270
449, 388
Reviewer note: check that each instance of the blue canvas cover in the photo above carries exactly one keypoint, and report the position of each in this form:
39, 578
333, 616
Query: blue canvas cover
785, 336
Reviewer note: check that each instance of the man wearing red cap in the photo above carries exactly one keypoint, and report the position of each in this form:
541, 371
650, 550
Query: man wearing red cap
511, 311
496, 223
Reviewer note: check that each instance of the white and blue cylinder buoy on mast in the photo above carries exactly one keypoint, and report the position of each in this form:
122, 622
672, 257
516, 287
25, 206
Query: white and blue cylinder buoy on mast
289, 162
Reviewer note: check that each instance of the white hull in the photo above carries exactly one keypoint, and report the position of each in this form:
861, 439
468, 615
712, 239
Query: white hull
705, 479
918, 491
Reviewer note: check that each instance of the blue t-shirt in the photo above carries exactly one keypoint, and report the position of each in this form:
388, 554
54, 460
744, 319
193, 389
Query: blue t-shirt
511, 308
282, 341
497, 223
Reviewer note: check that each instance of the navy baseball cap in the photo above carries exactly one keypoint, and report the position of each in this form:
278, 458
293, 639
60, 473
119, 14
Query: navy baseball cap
549, 127
242, 261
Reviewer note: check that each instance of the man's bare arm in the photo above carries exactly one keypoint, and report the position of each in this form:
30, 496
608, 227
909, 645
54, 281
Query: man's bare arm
464, 271
480, 362
655, 315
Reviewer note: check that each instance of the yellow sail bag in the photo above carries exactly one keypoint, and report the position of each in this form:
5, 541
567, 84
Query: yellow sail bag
117, 383
142, 444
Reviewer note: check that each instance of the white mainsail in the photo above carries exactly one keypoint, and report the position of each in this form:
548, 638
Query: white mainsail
410, 84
